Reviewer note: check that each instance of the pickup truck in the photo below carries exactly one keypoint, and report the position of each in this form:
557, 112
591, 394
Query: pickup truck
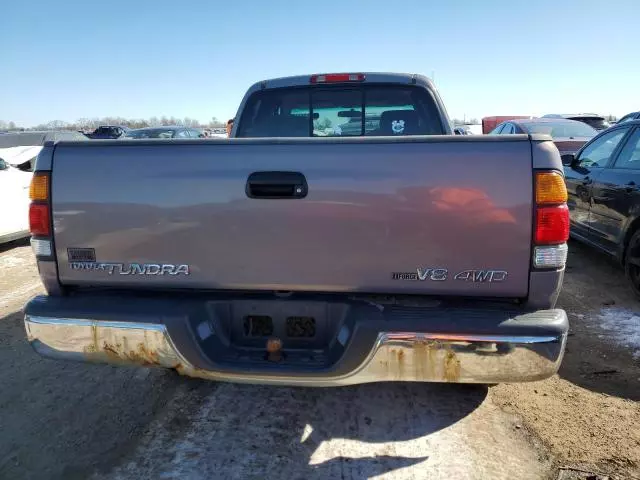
301, 252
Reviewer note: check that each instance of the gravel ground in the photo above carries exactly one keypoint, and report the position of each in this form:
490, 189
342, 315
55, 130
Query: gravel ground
66, 420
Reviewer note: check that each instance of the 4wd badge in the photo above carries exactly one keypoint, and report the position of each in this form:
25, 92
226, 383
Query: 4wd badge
442, 274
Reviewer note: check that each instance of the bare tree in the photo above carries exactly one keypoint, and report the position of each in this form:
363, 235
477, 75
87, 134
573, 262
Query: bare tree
55, 125
191, 122
215, 123
85, 123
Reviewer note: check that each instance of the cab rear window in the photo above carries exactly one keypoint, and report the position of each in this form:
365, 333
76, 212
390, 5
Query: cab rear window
340, 112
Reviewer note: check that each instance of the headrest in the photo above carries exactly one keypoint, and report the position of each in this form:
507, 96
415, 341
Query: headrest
293, 125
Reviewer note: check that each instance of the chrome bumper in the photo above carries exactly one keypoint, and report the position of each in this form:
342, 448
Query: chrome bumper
395, 356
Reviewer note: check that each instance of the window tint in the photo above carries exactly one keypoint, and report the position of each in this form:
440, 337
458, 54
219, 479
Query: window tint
508, 129
276, 113
181, 134
630, 154
599, 152
400, 111
338, 111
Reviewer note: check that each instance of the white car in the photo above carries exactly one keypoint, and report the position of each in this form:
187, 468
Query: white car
14, 193
20, 150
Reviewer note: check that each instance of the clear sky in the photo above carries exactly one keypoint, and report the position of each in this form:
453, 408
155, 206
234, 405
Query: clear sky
67, 59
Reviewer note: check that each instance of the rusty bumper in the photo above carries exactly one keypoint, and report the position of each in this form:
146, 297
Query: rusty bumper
395, 356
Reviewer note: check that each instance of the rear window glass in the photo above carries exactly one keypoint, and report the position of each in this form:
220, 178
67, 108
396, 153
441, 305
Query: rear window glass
340, 112
562, 129
595, 122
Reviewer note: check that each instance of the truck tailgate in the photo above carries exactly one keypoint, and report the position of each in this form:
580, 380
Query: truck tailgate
425, 215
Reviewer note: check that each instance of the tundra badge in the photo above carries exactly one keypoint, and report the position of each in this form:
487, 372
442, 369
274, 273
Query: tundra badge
132, 268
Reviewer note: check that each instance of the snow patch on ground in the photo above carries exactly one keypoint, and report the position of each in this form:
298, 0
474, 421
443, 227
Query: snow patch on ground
623, 326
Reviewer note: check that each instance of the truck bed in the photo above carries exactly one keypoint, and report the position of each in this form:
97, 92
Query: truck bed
418, 215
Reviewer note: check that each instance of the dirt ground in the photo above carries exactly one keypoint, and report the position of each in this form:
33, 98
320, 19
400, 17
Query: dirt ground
69, 420
588, 415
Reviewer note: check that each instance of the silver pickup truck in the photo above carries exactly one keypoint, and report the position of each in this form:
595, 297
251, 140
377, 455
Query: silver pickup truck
353, 238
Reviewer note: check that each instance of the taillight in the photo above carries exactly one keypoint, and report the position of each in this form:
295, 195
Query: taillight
337, 78
39, 188
551, 223
40, 213
39, 220
550, 188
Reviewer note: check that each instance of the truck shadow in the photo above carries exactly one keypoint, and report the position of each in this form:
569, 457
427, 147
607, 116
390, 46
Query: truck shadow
242, 431
23, 242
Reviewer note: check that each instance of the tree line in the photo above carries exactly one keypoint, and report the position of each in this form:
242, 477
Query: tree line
86, 124
474, 121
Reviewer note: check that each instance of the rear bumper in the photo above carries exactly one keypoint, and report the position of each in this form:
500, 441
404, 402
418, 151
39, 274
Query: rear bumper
398, 350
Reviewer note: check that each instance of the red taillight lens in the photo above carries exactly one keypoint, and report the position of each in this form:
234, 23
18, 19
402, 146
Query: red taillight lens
552, 225
39, 220
337, 78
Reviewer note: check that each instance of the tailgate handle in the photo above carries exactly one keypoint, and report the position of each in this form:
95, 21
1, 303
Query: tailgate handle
276, 185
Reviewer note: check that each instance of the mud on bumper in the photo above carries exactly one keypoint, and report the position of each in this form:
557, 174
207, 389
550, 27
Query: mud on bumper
383, 343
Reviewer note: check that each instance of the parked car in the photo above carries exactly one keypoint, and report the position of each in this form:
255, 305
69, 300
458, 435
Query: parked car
14, 202
399, 255
106, 132
568, 135
490, 123
163, 132
603, 181
628, 117
20, 149
593, 120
